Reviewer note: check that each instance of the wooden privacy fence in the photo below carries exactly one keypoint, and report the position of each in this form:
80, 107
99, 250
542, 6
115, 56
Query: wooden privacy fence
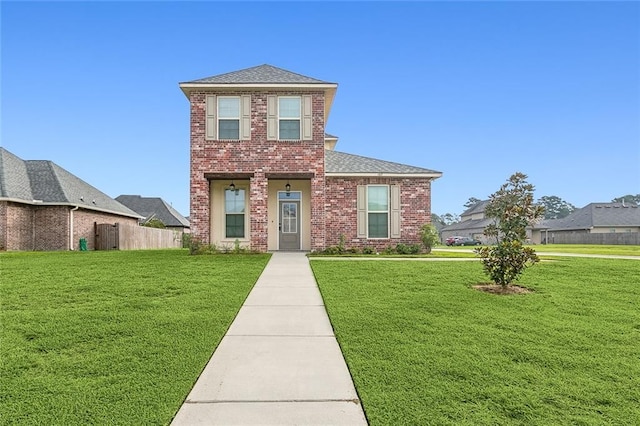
133, 237
613, 238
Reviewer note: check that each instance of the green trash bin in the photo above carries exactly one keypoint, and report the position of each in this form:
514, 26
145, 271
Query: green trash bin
83, 244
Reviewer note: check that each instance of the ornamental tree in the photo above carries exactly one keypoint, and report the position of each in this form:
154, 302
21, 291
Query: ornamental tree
513, 210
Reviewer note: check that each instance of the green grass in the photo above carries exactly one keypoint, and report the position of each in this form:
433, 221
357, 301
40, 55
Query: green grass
112, 337
425, 348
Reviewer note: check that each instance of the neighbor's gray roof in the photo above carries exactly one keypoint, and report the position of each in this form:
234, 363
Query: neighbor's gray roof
262, 74
44, 182
154, 207
469, 225
476, 208
598, 215
340, 162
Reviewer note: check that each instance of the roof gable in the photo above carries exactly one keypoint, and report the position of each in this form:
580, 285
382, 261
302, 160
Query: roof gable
339, 163
261, 74
154, 207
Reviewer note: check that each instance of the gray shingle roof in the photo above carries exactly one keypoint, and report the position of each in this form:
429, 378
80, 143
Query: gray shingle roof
42, 181
598, 215
154, 207
476, 208
340, 162
261, 74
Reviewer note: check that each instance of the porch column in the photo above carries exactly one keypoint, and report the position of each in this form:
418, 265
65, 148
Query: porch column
258, 211
318, 231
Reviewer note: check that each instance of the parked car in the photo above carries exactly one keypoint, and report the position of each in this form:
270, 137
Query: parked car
449, 241
466, 241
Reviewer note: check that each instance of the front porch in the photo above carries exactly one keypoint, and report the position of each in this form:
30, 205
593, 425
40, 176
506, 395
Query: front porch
272, 212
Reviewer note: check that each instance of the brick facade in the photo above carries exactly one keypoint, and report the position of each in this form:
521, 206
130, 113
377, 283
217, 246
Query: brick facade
260, 160
341, 218
32, 227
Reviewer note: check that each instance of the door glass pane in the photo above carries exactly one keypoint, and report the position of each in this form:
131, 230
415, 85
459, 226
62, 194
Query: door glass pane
289, 218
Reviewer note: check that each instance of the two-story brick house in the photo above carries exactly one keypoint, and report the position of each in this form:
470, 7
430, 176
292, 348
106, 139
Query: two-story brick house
265, 173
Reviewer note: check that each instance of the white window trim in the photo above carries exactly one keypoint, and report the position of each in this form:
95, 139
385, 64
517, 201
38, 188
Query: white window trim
299, 98
246, 216
218, 118
388, 211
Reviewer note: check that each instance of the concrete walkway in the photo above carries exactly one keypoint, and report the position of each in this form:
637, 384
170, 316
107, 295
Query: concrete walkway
279, 363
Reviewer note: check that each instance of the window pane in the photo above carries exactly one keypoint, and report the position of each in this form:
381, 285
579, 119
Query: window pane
229, 107
289, 107
234, 201
378, 198
229, 129
290, 129
378, 225
234, 226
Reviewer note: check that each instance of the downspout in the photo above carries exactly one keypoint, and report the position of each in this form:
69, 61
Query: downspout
71, 226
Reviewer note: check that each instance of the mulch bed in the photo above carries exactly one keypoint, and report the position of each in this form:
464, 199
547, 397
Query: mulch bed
498, 289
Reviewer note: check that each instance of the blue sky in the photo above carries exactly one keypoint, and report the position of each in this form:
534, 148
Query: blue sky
477, 90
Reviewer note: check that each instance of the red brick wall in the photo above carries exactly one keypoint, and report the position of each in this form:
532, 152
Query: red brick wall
29, 227
258, 157
16, 226
51, 228
83, 225
341, 218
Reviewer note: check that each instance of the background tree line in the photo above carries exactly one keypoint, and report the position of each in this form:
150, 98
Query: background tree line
554, 207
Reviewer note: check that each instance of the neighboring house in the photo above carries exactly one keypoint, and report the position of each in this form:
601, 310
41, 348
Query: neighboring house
596, 223
155, 208
44, 207
473, 222
264, 172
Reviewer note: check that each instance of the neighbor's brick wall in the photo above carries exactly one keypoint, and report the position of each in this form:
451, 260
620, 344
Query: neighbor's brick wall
27, 227
51, 227
83, 225
258, 157
341, 218
3, 225
16, 226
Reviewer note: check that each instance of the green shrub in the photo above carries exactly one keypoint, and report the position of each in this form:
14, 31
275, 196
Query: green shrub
429, 236
368, 250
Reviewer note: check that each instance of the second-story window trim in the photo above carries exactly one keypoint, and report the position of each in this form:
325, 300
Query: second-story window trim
289, 118
229, 117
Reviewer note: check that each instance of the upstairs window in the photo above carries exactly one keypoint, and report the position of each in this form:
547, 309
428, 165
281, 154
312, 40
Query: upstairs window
289, 118
229, 118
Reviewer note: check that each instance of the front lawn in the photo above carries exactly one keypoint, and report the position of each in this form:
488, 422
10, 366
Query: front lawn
425, 348
112, 337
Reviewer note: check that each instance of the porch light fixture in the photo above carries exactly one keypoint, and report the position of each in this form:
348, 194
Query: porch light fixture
232, 187
287, 188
